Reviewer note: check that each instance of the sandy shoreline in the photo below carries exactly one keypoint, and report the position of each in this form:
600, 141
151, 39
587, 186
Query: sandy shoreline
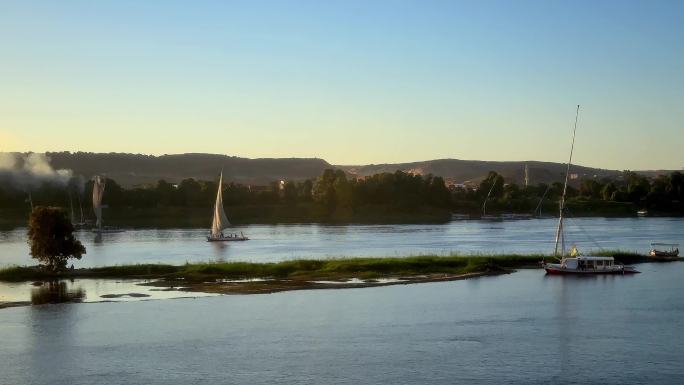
269, 286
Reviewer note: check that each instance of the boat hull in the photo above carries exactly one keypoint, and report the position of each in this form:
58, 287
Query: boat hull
564, 271
227, 239
664, 254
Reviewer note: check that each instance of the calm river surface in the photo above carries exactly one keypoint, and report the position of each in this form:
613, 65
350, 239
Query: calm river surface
280, 242
518, 328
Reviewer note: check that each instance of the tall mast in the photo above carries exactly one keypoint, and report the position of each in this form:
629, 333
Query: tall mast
80, 206
71, 207
559, 231
484, 205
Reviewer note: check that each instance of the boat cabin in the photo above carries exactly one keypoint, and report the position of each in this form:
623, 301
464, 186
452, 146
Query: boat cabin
588, 263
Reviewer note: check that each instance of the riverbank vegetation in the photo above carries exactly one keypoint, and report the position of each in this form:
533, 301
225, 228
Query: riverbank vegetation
337, 197
306, 269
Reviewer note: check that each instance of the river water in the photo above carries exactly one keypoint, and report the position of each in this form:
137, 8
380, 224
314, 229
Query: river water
271, 243
524, 327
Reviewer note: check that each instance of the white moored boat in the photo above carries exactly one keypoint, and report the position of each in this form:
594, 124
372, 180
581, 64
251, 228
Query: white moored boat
220, 221
588, 265
575, 263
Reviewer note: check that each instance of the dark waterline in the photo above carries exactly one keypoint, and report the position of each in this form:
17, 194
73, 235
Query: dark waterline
519, 328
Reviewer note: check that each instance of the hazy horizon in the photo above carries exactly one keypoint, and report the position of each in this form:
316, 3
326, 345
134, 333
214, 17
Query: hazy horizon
351, 82
345, 164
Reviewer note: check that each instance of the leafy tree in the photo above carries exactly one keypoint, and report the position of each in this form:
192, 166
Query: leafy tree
166, 192
439, 194
191, 193
590, 188
290, 192
486, 185
304, 190
677, 185
637, 186
608, 191
343, 191
324, 190
51, 237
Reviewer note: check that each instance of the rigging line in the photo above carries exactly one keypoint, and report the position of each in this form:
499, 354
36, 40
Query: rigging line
542, 200
586, 234
559, 235
572, 148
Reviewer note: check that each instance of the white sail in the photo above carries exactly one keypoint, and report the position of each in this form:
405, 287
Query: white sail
220, 220
98, 192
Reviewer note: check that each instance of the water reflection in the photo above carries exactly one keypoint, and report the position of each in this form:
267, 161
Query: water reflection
220, 251
57, 292
69, 291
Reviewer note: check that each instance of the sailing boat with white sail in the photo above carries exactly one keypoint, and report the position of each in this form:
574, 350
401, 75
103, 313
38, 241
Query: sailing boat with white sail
574, 263
220, 221
98, 193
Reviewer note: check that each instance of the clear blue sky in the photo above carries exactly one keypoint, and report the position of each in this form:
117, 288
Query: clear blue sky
348, 81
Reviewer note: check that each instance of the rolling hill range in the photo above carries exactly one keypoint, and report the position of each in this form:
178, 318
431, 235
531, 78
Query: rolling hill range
136, 169
472, 171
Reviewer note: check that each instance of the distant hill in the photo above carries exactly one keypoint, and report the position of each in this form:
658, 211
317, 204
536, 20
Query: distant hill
473, 171
136, 169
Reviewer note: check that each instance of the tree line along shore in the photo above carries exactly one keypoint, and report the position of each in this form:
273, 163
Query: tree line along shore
334, 197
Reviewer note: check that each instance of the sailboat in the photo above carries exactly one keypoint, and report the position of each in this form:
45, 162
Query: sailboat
484, 206
77, 224
220, 221
538, 210
98, 192
574, 263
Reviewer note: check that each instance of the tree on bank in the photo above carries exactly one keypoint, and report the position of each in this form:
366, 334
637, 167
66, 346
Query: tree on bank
51, 237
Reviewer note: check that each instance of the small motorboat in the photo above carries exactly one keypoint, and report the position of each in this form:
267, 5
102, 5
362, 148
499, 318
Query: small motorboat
642, 213
664, 251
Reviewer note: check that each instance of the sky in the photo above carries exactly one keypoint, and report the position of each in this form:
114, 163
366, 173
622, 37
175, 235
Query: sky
352, 82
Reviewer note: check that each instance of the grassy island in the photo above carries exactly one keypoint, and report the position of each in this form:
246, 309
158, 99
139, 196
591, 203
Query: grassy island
250, 277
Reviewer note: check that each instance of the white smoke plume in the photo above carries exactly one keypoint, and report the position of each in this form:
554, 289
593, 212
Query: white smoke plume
28, 171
